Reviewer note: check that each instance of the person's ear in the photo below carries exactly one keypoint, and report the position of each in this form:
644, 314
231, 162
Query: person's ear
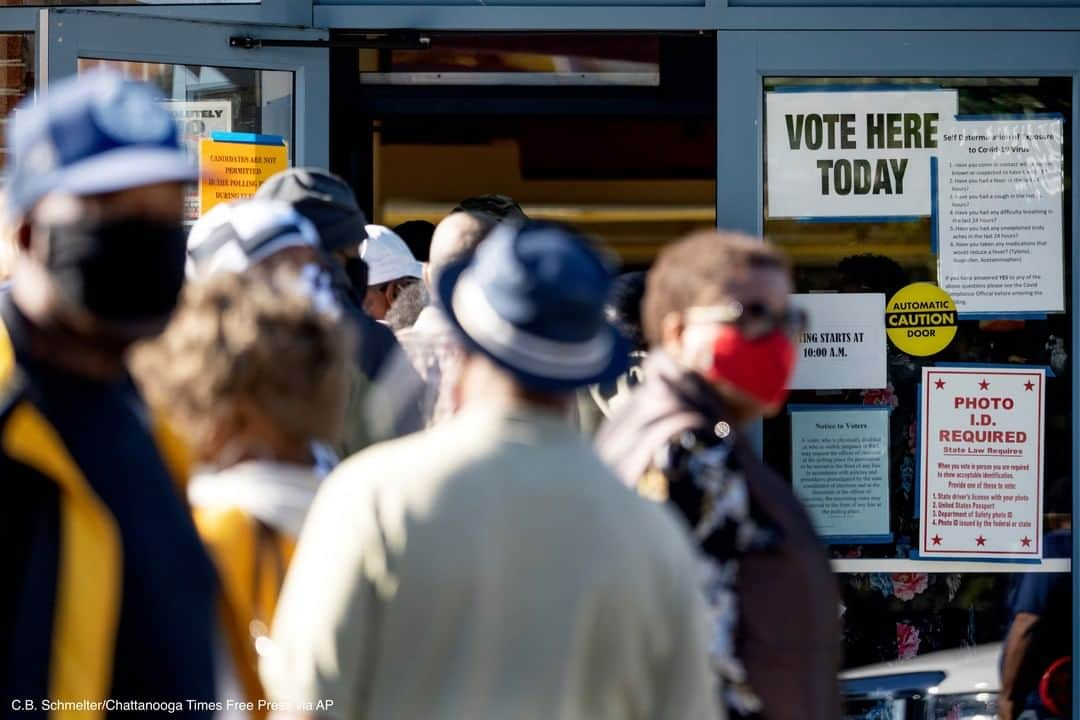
672, 328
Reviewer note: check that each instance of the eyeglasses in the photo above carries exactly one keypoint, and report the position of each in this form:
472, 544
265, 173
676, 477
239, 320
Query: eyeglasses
755, 320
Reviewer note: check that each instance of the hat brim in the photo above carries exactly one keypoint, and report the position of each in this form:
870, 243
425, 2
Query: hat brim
125, 168
542, 373
413, 270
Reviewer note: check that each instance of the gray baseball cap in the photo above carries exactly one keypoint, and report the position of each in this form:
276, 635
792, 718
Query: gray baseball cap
324, 199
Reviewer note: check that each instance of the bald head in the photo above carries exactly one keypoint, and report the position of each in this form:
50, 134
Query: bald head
456, 236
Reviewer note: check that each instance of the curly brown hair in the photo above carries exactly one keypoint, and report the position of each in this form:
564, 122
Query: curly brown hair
698, 270
254, 338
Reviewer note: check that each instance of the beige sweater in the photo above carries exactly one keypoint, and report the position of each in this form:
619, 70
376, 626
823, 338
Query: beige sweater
490, 568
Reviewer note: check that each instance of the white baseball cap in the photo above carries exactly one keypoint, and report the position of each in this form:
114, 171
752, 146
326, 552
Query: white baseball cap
388, 257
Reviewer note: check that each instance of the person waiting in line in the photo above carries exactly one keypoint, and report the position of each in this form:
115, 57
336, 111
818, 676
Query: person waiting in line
251, 372
722, 339
107, 592
268, 234
330, 205
386, 391
498, 207
1041, 621
391, 268
492, 566
623, 308
431, 343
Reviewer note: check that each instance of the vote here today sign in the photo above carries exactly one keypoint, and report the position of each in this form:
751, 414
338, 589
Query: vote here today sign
981, 462
852, 153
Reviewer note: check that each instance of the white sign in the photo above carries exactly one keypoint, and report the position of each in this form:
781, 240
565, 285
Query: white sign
853, 154
840, 469
197, 119
844, 343
981, 462
999, 215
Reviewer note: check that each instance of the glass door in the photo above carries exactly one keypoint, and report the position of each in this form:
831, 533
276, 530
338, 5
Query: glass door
216, 77
888, 162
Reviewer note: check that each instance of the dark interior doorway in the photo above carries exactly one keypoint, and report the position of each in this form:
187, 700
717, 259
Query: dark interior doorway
615, 133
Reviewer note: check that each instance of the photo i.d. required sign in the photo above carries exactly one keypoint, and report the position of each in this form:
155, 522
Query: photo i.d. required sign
981, 462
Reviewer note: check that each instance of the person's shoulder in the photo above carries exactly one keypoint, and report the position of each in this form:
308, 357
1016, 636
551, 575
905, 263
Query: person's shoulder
388, 464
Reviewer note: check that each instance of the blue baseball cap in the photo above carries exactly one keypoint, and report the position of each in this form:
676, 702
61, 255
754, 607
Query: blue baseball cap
532, 300
93, 133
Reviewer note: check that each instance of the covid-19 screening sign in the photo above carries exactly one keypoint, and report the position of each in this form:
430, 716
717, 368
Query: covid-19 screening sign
852, 153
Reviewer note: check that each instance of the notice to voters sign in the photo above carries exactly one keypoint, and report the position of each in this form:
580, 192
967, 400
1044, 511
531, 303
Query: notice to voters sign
981, 462
232, 166
852, 153
840, 470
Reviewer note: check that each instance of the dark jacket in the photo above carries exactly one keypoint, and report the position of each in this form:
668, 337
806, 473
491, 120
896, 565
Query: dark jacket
788, 631
387, 393
66, 566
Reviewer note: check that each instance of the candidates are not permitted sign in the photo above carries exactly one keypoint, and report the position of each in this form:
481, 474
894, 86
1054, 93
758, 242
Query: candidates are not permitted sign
853, 153
233, 166
981, 462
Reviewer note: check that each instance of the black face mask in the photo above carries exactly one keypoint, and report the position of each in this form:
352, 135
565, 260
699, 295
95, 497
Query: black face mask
122, 271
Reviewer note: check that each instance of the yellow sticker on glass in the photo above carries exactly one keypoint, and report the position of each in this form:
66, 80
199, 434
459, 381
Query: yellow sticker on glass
920, 319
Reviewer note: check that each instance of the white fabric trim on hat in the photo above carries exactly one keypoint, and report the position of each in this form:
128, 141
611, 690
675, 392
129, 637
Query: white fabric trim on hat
247, 219
519, 348
232, 258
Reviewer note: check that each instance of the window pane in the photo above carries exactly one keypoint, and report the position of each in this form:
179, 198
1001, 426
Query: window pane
17, 73
208, 99
897, 615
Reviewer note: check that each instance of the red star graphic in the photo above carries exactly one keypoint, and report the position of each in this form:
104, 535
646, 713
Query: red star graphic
1029, 386
980, 541
984, 385
939, 384
1025, 541
936, 539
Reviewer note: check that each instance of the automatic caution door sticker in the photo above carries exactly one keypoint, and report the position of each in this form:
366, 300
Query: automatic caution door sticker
920, 319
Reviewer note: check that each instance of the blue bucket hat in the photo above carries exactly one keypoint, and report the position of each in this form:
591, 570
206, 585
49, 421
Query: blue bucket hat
93, 133
532, 300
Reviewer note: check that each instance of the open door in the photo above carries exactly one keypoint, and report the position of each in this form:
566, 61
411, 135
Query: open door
216, 76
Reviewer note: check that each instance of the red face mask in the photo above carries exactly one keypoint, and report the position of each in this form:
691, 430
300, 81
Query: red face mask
760, 368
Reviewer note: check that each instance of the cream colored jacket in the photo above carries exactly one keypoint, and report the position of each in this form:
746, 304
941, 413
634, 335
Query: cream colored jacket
490, 568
